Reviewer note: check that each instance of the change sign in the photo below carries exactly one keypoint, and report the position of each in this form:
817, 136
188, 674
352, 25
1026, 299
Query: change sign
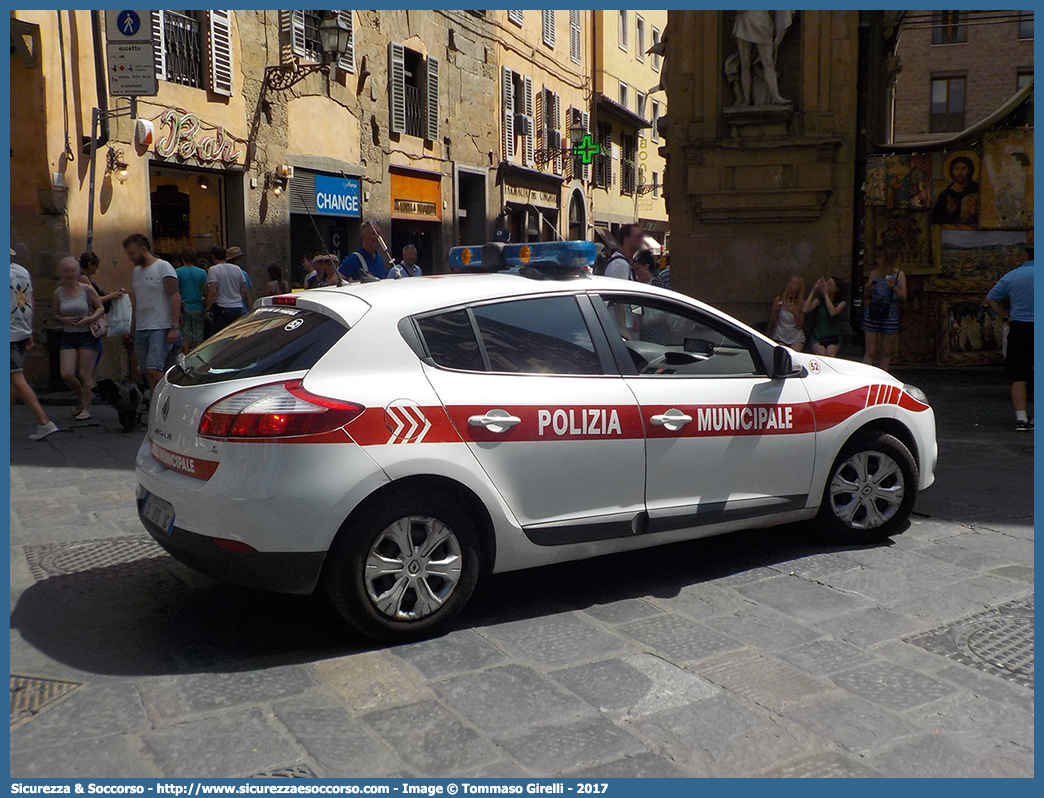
337, 196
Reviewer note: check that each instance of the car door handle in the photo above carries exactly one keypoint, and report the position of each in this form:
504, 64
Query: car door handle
495, 421
672, 420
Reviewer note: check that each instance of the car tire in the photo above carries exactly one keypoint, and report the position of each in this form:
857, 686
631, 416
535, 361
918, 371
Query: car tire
370, 537
879, 511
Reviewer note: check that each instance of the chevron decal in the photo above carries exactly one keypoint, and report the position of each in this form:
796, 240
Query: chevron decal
406, 422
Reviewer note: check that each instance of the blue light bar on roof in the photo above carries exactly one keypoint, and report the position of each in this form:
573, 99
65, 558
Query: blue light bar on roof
564, 254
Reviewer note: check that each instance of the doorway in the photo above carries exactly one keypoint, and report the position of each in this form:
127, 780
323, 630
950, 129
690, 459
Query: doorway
424, 236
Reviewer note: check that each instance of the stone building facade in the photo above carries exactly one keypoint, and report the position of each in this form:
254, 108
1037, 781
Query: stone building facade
759, 193
404, 131
956, 68
628, 103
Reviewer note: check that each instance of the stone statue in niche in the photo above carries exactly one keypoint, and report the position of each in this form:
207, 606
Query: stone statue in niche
752, 69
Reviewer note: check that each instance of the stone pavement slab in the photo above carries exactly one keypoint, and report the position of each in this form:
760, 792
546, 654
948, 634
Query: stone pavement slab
234, 744
431, 740
552, 749
725, 736
506, 699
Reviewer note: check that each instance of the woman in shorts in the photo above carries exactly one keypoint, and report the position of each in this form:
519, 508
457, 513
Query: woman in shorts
885, 289
824, 300
76, 306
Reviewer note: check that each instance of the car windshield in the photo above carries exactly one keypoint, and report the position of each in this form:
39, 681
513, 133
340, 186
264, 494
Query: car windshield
269, 340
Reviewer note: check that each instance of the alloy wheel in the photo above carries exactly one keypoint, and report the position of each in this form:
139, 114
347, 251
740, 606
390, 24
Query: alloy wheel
867, 490
412, 568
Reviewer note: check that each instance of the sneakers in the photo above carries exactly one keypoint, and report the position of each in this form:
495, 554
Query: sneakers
43, 430
1024, 426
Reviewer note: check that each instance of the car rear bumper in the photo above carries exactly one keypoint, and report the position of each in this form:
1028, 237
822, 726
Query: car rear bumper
278, 571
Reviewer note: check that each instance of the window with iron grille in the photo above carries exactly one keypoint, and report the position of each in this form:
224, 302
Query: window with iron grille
948, 27
604, 159
183, 47
414, 88
1025, 24
947, 105
194, 48
628, 157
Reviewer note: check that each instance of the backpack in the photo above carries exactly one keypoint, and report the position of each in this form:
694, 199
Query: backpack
604, 265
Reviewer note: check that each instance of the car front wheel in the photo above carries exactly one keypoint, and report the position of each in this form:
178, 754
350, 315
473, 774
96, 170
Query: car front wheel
404, 569
870, 491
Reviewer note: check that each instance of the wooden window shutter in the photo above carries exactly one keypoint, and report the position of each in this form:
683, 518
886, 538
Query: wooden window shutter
297, 35
507, 80
585, 121
397, 86
556, 125
219, 36
347, 61
159, 45
527, 110
574, 36
540, 120
547, 19
432, 98
517, 17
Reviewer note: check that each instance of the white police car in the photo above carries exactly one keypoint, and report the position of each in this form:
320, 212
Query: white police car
391, 441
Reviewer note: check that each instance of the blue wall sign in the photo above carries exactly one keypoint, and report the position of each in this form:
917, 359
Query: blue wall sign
337, 196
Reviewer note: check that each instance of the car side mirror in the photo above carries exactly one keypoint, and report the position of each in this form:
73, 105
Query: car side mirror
782, 363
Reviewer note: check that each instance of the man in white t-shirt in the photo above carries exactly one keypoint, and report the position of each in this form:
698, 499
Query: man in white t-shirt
156, 312
22, 340
227, 292
619, 265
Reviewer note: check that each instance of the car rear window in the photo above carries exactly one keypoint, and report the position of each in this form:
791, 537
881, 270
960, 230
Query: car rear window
269, 340
451, 342
537, 336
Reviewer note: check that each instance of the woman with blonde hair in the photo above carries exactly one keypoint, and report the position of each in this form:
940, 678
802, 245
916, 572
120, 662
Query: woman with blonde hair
76, 306
788, 315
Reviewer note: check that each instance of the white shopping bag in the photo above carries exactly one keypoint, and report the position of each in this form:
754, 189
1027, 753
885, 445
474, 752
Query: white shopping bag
120, 316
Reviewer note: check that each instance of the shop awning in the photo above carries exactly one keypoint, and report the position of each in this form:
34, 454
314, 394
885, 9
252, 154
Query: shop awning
654, 246
606, 237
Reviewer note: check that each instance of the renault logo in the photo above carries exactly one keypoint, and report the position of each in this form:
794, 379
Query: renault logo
165, 409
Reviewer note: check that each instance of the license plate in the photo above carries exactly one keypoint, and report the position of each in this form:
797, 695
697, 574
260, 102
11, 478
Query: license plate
159, 512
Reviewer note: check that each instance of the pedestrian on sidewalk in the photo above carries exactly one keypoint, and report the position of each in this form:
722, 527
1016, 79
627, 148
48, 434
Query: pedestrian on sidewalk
21, 342
619, 264
89, 264
1016, 288
365, 264
156, 316
786, 324
192, 284
824, 300
276, 284
226, 291
885, 289
235, 255
76, 306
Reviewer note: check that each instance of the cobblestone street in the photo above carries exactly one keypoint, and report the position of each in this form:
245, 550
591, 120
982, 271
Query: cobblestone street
760, 653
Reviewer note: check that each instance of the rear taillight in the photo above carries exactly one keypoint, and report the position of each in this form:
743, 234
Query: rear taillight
279, 410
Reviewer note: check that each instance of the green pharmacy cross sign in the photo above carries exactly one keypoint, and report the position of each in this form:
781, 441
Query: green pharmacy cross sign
586, 150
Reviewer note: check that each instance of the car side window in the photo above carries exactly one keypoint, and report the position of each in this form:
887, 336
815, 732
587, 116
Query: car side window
663, 339
545, 335
451, 341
